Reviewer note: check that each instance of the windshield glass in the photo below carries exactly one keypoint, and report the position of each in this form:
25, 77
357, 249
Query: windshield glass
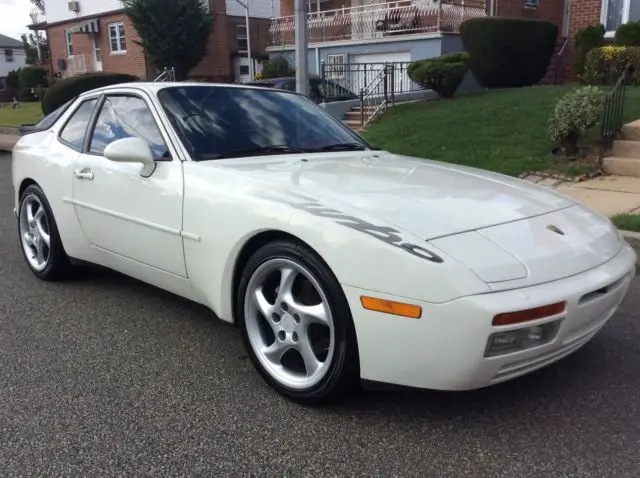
219, 121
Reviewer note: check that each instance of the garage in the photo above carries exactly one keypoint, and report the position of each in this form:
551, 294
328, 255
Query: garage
374, 62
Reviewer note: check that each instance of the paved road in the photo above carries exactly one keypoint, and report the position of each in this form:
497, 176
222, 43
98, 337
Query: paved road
107, 377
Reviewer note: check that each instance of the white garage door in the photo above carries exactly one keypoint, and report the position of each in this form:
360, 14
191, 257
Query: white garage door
365, 67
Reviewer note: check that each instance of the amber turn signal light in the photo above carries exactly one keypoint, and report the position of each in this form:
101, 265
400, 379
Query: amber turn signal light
511, 318
390, 307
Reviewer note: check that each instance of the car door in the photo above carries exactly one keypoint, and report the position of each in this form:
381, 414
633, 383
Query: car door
119, 211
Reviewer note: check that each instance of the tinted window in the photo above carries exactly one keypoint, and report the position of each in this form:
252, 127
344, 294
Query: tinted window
48, 121
124, 117
218, 120
75, 129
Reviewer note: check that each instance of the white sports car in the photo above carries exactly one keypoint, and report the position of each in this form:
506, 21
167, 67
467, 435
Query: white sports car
339, 262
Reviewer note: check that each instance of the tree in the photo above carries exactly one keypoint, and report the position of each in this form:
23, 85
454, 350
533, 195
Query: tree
31, 48
173, 34
39, 4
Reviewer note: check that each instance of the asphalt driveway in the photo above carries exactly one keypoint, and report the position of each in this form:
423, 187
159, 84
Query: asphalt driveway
104, 376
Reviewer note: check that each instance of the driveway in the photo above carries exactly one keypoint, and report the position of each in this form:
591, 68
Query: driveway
104, 376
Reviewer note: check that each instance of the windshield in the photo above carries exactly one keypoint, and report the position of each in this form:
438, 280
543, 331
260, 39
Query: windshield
218, 121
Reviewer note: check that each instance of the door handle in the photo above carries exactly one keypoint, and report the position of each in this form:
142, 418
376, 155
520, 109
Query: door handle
84, 173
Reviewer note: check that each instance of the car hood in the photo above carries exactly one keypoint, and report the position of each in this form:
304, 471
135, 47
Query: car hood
426, 198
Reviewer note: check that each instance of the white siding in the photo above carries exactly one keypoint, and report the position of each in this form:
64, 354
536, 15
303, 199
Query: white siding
19, 60
257, 8
58, 10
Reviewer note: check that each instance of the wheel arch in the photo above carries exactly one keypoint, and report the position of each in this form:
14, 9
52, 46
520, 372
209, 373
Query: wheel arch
26, 182
251, 245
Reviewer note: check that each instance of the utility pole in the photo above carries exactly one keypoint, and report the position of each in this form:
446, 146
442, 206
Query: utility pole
302, 47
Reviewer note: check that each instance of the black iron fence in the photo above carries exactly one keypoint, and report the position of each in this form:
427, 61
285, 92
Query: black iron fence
612, 115
356, 77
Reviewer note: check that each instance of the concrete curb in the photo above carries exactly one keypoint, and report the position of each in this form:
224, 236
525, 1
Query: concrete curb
633, 238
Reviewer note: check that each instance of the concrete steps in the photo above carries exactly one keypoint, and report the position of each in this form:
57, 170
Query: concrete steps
625, 154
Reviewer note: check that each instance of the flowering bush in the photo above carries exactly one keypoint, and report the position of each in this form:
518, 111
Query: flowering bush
259, 75
605, 65
574, 115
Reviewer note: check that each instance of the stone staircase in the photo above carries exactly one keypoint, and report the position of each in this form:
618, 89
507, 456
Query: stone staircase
352, 117
625, 154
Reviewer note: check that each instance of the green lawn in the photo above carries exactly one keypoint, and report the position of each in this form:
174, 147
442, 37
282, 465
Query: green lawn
503, 131
627, 221
28, 113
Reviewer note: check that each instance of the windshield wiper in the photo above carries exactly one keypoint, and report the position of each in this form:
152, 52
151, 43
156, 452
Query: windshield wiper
271, 149
345, 147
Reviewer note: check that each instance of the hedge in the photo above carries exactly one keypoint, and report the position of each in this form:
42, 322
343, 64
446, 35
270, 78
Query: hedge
587, 39
605, 65
64, 90
508, 52
442, 74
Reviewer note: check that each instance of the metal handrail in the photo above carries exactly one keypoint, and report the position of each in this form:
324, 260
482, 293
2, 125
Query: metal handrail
367, 92
169, 74
612, 113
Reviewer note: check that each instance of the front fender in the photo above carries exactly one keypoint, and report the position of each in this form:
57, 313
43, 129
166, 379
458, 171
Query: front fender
362, 252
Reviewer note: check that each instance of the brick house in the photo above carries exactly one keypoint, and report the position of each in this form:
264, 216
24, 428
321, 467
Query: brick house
372, 32
95, 35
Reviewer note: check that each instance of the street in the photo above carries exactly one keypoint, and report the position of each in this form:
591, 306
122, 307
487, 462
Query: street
105, 376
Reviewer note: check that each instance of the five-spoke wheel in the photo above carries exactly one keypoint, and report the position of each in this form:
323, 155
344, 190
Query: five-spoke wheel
34, 231
296, 323
41, 244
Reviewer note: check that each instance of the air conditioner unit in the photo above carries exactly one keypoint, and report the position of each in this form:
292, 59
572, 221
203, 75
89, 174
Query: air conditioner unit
74, 6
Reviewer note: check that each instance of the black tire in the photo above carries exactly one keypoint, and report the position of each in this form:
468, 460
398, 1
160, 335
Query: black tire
343, 374
58, 266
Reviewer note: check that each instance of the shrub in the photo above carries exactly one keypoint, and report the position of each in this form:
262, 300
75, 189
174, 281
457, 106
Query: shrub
442, 74
587, 39
508, 52
276, 68
628, 34
32, 77
605, 65
574, 115
65, 90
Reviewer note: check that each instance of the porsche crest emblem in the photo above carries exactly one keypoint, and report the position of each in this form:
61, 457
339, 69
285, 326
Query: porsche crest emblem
553, 228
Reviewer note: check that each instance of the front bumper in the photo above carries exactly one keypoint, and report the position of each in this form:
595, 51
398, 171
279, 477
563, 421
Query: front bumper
444, 349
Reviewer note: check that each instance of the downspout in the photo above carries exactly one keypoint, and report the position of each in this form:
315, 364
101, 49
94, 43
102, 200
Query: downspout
318, 62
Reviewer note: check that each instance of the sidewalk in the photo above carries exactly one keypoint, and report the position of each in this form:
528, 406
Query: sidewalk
7, 141
609, 195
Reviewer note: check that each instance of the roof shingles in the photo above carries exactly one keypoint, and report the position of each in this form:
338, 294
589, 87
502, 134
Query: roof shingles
8, 42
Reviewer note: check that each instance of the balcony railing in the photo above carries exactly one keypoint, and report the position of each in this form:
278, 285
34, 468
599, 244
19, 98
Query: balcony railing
78, 65
379, 20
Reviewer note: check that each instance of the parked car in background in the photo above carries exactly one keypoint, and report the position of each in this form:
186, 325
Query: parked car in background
319, 90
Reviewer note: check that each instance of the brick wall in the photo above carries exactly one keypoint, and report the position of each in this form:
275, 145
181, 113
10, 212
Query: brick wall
216, 64
133, 61
551, 10
583, 13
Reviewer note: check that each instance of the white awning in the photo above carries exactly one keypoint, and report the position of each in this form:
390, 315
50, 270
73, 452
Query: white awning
88, 26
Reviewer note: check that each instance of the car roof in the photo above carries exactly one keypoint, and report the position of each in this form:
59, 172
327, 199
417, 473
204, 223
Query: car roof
155, 87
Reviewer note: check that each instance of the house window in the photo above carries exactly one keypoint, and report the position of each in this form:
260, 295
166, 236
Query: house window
241, 37
335, 66
8, 55
531, 3
244, 70
3, 84
117, 42
69, 41
618, 12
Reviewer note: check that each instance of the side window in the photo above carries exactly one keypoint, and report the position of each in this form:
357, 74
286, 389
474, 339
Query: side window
124, 117
73, 132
